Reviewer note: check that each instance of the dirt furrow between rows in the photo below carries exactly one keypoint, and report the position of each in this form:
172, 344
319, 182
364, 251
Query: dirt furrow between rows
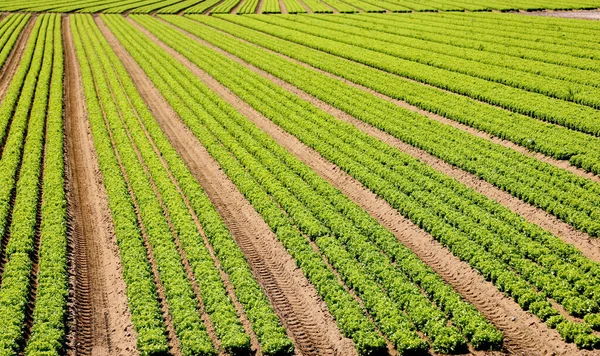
304, 315
7, 71
590, 247
524, 333
116, 46
100, 322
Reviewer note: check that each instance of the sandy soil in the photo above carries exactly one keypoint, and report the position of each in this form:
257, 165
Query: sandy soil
302, 312
11, 65
575, 14
101, 323
282, 7
524, 333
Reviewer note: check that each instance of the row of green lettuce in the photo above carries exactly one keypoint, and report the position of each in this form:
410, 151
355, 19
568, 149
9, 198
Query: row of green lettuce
576, 86
453, 43
32, 165
519, 257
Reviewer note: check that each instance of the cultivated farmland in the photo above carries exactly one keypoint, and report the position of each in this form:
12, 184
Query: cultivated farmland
333, 178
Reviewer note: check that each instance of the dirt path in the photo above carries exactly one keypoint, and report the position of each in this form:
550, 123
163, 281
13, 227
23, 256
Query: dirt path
237, 7
295, 300
282, 7
11, 65
524, 333
574, 14
590, 247
100, 321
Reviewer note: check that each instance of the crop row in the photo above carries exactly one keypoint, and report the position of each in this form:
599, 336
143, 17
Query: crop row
271, 7
549, 23
279, 67
453, 46
520, 129
338, 223
366, 5
580, 42
179, 6
28, 147
399, 61
202, 7
471, 62
14, 111
294, 7
142, 297
12, 26
437, 203
180, 297
212, 290
502, 50
493, 42
49, 313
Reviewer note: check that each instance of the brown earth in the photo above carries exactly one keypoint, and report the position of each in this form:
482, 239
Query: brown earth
7, 71
282, 7
295, 300
100, 322
524, 333
574, 14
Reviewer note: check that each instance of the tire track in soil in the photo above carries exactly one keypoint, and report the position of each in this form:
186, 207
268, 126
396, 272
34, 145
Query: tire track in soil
524, 333
116, 46
301, 311
589, 247
8, 70
99, 318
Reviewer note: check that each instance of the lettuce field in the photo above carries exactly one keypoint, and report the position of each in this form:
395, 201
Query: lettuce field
299, 177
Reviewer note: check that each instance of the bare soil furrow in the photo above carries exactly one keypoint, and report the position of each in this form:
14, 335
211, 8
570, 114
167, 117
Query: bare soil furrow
524, 333
295, 300
100, 322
